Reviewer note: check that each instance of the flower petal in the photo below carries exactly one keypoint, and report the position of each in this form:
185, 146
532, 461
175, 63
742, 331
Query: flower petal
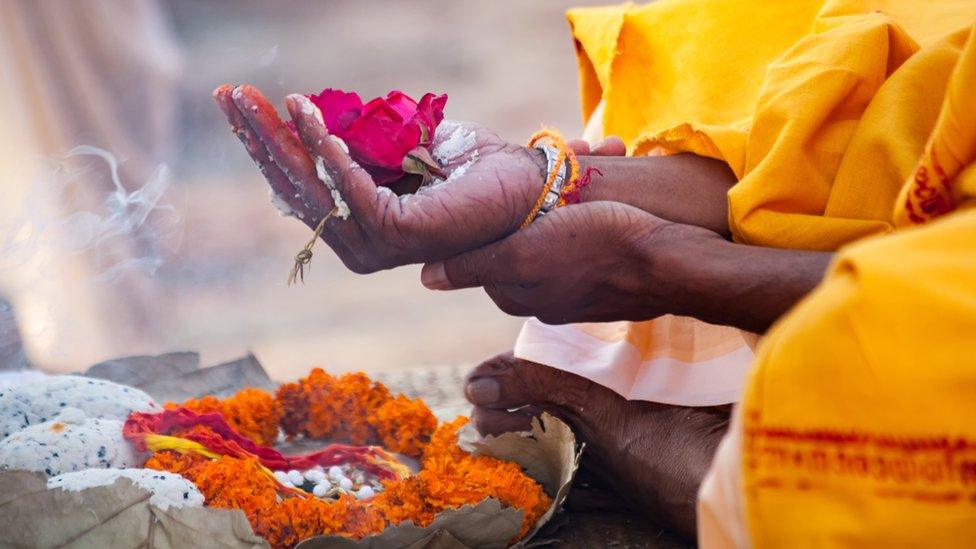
402, 103
339, 109
430, 111
379, 139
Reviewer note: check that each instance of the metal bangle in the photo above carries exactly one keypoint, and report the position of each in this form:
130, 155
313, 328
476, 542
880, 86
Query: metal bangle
552, 197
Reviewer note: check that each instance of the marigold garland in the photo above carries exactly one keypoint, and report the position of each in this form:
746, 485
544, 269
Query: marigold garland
353, 409
455, 477
253, 413
404, 425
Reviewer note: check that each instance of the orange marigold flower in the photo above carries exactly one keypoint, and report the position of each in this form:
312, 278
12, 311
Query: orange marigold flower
234, 483
297, 401
227, 482
454, 477
325, 407
354, 396
255, 414
251, 412
444, 442
405, 500
404, 425
351, 409
174, 462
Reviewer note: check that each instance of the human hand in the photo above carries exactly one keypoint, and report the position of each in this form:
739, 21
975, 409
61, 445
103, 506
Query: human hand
598, 261
490, 188
605, 261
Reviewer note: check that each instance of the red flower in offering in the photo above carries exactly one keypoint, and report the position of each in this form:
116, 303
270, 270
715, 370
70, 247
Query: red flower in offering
389, 137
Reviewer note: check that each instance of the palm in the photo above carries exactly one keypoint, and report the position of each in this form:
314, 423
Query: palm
490, 188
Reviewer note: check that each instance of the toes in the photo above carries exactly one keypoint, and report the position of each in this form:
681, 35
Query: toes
489, 421
506, 382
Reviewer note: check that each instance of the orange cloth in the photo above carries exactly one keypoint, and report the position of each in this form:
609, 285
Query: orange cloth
857, 426
790, 94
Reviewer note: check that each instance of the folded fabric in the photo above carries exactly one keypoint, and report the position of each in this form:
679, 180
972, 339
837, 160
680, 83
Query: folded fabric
857, 427
673, 360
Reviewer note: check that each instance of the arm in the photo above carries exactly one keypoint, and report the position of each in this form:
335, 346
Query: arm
605, 261
487, 203
733, 284
684, 188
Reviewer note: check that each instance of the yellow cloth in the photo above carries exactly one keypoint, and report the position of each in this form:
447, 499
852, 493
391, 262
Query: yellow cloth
858, 422
860, 429
842, 119
795, 96
944, 177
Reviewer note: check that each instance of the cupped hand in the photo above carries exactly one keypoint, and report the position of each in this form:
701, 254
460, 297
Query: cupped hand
597, 261
489, 189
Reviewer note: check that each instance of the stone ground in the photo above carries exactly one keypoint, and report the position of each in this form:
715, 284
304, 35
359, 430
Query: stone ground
508, 64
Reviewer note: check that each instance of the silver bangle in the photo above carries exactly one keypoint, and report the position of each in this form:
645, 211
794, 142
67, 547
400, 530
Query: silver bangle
555, 192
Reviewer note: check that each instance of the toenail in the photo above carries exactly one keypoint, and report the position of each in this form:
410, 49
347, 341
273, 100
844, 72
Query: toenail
482, 391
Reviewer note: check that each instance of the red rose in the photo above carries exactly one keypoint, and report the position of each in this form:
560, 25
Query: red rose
381, 133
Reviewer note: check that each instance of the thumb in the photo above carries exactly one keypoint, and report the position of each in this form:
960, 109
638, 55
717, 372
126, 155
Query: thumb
479, 267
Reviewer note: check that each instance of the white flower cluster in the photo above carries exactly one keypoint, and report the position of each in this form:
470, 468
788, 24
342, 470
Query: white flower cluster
322, 483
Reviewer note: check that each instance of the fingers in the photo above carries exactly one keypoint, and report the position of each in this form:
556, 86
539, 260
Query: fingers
355, 186
319, 144
280, 184
283, 146
579, 146
611, 146
493, 263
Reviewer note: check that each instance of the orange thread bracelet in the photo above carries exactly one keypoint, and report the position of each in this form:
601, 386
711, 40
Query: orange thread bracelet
565, 155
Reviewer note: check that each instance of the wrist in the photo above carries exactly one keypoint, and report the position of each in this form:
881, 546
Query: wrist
533, 165
680, 271
683, 188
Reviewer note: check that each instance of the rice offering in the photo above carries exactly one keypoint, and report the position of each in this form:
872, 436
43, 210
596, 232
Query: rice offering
34, 403
56, 447
166, 489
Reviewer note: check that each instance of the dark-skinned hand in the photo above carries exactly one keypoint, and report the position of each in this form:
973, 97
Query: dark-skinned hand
588, 262
500, 184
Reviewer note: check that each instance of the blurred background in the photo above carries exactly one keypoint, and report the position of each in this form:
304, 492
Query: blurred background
181, 251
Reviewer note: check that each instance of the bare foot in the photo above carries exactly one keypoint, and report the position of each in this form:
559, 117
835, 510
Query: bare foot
653, 455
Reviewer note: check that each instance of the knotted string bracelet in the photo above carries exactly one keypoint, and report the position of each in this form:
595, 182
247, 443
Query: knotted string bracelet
560, 188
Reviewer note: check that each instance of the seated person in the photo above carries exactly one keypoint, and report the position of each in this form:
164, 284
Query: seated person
789, 127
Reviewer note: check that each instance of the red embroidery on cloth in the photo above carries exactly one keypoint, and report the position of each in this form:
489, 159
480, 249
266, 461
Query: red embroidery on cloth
932, 201
937, 469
